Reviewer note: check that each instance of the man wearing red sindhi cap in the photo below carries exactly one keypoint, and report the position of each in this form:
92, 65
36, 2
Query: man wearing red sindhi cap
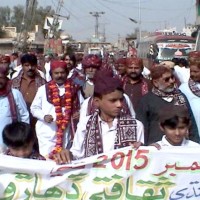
120, 66
135, 84
91, 64
52, 106
107, 128
84, 78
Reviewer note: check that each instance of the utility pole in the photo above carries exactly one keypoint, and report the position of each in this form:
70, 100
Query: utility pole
139, 16
53, 30
53, 27
119, 40
97, 15
185, 22
104, 31
26, 24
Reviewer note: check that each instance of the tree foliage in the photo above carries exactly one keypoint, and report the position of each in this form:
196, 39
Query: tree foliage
41, 13
5, 13
21, 18
17, 17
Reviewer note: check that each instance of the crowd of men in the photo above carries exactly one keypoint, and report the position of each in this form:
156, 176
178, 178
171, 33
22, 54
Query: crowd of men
81, 106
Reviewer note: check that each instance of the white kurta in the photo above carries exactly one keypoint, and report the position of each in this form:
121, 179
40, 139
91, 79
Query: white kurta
182, 73
5, 114
108, 136
186, 143
46, 132
194, 102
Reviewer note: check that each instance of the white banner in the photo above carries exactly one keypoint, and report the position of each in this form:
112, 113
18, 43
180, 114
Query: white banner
145, 174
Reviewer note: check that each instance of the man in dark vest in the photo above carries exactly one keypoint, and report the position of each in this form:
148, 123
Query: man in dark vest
163, 94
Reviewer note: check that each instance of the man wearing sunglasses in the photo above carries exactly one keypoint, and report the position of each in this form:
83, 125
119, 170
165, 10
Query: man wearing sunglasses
163, 93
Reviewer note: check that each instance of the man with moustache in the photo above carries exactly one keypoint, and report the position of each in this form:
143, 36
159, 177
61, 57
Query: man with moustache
163, 93
12, 105
27, 82
191, 89
91, 64
52, 106
135, 85
29, 79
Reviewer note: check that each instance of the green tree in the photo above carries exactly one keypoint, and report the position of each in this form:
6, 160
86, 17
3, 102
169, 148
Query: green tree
17, 19
5, 13
24, 19
41, 13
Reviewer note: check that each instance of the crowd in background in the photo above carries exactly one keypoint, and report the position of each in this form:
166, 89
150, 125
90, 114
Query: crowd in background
74, 106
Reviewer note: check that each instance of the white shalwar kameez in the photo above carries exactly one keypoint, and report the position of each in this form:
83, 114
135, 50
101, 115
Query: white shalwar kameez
46, 132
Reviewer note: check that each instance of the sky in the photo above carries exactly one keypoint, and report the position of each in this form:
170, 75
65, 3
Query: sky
154, 15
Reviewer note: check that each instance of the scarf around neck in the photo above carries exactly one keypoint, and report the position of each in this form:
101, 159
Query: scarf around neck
126, 133
178, 98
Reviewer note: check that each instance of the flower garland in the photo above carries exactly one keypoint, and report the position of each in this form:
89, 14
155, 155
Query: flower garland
62, 120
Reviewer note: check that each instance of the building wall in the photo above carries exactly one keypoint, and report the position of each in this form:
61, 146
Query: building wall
6, 48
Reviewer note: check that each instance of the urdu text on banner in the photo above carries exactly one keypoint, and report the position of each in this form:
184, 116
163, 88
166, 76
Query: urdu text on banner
143, 174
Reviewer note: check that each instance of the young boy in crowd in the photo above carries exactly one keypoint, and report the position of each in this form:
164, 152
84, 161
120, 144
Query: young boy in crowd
175, 124
19, 138
108, 128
